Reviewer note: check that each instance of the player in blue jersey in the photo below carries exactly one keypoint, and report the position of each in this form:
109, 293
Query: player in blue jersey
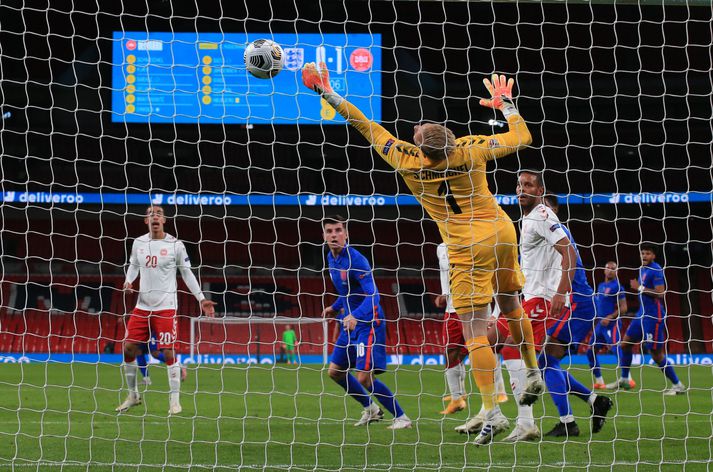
649, 325
567, 325
611, 304
142, 359
361, 344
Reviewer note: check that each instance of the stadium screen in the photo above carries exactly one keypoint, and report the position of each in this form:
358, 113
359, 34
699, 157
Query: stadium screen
163, 77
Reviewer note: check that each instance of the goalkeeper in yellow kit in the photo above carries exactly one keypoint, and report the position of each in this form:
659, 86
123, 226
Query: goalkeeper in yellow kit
448, 177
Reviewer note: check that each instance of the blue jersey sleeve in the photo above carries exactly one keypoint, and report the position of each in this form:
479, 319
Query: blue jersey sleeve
338, 305
622, 293
361, 271
658, 279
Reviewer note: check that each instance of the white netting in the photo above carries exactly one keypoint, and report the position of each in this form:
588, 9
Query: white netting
107, 108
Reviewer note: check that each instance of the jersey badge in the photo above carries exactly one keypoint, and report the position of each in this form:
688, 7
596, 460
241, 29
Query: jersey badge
164, 252
387, 146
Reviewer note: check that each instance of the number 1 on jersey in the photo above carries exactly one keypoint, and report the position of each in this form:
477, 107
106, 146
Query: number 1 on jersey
445, 189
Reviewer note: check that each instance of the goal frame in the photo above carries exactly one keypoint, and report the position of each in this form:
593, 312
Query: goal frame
195, 351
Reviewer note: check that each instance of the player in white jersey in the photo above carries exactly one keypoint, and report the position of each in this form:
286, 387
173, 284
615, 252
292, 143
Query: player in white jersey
454, 342
155, 257
554, 272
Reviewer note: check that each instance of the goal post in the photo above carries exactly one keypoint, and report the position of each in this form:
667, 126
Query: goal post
109, 107
256, 340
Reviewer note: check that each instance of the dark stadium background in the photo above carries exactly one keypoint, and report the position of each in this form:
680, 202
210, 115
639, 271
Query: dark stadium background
613, 108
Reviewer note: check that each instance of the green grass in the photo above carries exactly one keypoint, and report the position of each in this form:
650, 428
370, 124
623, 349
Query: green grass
239, 417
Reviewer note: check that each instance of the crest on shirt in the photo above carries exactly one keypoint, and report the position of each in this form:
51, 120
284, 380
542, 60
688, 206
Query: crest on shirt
164, 252
294, 58
607, 290
493, 143
344, 274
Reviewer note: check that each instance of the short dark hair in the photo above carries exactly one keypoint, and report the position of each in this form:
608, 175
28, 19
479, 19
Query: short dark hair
649, 247
152, 206
552, 201
333, 220
538, 177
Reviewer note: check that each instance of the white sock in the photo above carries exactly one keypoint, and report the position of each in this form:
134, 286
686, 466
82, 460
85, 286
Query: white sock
454, 380
518, 379
599, 380
567, 419
499, 382
463, 376
131, 370
591, 399
174, 382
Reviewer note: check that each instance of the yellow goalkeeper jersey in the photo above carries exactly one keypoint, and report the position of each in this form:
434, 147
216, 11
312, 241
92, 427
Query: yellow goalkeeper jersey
454, 191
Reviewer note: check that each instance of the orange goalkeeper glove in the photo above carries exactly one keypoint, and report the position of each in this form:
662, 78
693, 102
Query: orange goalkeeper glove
500, 91
318, 80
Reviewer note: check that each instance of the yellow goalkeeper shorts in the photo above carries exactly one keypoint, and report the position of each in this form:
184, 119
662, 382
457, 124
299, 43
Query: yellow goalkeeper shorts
484, 268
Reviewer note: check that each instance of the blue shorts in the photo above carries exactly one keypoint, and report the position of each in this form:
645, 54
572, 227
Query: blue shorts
650, 330
574, 324
607, 335
364, 350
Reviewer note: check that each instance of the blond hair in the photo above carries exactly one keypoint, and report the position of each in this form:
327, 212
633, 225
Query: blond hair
438, 141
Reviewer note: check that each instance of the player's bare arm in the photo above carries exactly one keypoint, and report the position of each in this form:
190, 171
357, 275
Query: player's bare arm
329, 312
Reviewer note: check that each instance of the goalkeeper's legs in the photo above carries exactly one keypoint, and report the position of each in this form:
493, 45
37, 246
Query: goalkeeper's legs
482, 358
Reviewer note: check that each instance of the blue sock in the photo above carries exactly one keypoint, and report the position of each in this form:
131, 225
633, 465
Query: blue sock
141, 360
354, 389
577, 389
594, 363
667, 369
386, 398
625, 361
556, 382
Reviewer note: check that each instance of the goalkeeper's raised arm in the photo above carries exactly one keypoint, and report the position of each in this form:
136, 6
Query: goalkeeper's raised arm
435, 141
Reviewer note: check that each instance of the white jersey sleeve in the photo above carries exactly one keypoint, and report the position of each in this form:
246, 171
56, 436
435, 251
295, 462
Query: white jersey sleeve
184, 266
540, 261
445, 271
132, 271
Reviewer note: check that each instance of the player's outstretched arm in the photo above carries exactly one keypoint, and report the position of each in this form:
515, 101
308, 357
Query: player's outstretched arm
317, 79
518, 137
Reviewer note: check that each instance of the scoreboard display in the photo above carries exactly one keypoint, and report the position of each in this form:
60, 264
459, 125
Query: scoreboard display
164, 77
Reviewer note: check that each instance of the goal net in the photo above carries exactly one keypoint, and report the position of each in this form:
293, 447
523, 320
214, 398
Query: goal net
108, 107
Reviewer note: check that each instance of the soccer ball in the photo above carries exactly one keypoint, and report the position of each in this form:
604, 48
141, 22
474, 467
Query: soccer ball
264, 58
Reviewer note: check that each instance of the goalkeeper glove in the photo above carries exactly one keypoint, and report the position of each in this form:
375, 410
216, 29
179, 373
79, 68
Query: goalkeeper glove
318, 80
501, 95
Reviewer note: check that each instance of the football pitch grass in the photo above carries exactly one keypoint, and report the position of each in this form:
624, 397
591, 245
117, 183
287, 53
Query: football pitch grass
61, 416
